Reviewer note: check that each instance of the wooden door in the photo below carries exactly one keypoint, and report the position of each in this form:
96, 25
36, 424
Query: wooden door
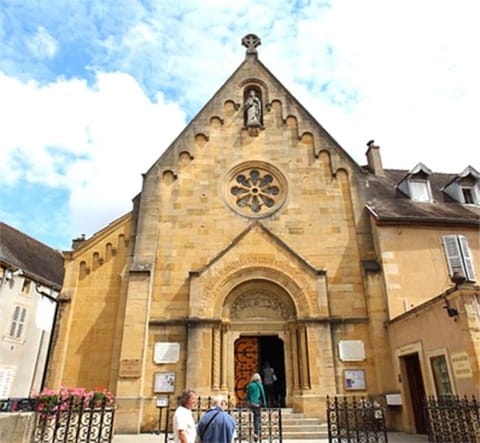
417, 390
246, 364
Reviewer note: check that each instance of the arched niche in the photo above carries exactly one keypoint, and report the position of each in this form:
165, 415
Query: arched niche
253, 106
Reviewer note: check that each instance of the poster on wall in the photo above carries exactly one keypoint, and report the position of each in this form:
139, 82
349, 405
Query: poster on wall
355, 379
164, 382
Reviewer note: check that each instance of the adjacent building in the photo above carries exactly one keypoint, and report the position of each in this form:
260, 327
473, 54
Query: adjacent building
31, 277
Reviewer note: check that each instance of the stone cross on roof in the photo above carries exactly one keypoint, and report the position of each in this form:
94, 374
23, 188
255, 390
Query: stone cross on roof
251, 41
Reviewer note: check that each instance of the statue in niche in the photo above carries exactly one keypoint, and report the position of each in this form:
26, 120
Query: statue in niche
253, 110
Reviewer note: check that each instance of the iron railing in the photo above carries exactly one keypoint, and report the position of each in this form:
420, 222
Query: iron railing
78, 420
270, 421
452, 419
355, 421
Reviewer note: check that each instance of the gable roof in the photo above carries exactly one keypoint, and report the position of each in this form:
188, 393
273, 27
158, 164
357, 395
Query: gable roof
35, 259
388, 204
251, 69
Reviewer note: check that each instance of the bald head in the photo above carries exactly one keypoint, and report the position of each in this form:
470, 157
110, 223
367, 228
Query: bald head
220, 400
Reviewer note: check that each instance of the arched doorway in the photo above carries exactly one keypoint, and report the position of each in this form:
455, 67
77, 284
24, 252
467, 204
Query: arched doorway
251, 353
258, 312
272, 350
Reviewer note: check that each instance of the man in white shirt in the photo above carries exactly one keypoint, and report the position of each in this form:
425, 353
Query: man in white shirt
184, 430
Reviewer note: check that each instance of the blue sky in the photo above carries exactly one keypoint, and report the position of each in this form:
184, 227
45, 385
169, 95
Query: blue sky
92, 92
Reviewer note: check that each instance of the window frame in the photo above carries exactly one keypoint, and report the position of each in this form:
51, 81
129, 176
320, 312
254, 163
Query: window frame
437, 353
413, 187
458, 256
18, 323
472, 191
26, 286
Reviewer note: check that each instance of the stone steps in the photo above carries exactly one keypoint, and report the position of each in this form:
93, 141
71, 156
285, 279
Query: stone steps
295, 426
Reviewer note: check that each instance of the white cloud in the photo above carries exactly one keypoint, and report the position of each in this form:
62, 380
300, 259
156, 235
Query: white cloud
42, 44
94, 142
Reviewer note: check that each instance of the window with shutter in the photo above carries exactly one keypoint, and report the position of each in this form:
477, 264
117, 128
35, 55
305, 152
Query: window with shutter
18, 322
458, 256
7, 374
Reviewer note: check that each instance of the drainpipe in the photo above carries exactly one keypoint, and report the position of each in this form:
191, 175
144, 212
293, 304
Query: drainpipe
50, 341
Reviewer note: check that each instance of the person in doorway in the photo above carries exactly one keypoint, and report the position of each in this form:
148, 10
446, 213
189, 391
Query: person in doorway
255, 399
216, 425
183, 424
269, 378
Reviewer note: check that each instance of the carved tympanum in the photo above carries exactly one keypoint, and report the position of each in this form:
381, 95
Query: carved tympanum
258, 305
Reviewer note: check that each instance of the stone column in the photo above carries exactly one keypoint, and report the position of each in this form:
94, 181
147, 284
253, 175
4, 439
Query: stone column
132, 354
223, 356
199, 374
294, 357
217, 354
322, 364
303, 357
375, 298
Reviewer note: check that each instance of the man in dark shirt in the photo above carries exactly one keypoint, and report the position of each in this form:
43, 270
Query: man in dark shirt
216, 425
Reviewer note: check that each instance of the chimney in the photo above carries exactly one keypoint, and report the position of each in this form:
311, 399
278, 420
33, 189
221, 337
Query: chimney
77, 242
374, 159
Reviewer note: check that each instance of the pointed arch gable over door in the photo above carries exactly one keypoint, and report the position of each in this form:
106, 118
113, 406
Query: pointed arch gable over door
257, 253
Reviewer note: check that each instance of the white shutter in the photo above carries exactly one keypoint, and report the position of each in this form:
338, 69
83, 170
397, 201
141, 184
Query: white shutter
7, 374
467, 258
18, 320
454, 254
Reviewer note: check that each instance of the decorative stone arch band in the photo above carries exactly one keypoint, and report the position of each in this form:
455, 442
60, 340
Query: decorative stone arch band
213, 298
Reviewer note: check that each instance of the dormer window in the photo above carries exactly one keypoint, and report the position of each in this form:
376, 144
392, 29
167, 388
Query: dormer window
468, 195
465, 187
416, 184
420, 190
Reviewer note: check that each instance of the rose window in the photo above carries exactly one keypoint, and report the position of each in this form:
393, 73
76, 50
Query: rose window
256, 190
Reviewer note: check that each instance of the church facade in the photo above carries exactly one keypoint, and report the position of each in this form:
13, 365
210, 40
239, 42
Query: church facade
255, 238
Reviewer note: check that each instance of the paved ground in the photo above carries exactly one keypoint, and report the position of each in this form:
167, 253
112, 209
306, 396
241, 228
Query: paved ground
393, 437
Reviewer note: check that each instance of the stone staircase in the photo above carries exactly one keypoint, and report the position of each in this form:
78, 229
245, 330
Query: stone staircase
296, 426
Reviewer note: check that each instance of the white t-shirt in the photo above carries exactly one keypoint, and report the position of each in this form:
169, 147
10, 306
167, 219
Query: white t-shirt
183, 420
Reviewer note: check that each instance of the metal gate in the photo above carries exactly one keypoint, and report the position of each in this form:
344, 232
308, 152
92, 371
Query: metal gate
78, 420
451, 419
355, 421
270, 421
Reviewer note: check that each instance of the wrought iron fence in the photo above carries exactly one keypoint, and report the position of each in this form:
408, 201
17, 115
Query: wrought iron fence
270, 421
79, 420
355, 421
452, 419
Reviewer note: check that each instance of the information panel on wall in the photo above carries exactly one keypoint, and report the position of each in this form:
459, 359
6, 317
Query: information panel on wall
355, 379
351, 350
166, 352
164, 382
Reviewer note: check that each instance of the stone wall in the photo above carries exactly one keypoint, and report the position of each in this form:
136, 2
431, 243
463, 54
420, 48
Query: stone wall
16, 427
